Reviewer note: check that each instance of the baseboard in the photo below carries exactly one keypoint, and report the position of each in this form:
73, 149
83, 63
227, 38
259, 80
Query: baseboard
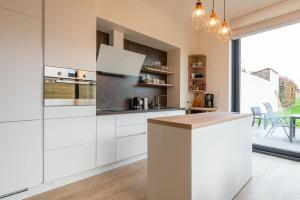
44, 187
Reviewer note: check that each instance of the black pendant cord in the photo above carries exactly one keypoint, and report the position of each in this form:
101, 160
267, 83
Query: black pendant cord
213, 5
224, 10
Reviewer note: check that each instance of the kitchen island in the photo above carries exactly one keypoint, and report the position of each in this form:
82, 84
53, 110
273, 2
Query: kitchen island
200, 156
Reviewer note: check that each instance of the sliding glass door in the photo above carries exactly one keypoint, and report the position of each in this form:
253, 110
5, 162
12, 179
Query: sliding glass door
266, 77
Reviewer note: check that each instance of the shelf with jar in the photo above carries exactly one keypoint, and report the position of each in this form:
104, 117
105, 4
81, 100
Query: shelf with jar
153, 81
197, 73
197, 79
162, 70
155, 75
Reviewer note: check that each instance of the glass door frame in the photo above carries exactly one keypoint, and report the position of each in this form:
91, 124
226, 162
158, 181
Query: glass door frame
235, 105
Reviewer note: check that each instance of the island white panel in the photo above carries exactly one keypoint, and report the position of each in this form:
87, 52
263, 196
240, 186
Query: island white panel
169, 163
221, 159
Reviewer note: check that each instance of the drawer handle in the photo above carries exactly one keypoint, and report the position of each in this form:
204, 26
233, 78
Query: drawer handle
132, 135
133, 124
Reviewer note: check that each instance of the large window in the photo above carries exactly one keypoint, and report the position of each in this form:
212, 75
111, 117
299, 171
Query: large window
269, 80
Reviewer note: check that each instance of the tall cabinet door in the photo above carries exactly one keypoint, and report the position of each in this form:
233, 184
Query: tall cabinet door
106, 139
70, 34
21, 155
21, 66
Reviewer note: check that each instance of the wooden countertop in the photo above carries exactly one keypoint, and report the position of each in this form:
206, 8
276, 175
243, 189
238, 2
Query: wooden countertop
193, 121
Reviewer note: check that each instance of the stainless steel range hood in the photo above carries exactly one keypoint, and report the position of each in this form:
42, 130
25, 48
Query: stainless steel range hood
115, 60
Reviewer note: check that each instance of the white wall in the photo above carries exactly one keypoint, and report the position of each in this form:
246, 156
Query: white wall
255, 91
218, 68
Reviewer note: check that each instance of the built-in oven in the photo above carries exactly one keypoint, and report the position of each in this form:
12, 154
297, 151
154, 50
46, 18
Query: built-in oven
69, 87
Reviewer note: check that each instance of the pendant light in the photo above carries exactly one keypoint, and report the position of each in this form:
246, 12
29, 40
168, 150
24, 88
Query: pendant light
225, 29
198, 18
213, 23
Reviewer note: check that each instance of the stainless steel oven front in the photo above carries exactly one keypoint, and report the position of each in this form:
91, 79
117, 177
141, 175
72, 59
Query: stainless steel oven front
69, 87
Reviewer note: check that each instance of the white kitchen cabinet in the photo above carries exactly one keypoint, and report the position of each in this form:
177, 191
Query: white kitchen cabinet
124, 136
70, 34
129, 119
28, 7
21, 66
21, 155
123, 131
131, 138
63, 162
106, 139
130, 146
59, 133
176, 112
165, 113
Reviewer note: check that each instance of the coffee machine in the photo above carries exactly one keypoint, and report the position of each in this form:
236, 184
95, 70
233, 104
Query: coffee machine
136, 103
209, 100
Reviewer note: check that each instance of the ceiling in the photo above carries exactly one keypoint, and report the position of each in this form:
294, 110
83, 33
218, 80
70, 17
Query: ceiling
182, 9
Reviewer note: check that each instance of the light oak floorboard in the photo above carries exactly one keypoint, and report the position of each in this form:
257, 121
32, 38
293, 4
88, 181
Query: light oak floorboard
273, 179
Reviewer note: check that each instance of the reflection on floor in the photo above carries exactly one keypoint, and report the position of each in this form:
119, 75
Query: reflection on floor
277, 140
273, 179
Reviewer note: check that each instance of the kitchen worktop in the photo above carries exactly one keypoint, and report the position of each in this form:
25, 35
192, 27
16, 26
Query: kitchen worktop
129, 111
194, 121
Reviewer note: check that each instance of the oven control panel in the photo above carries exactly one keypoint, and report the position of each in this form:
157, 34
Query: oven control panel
65, 73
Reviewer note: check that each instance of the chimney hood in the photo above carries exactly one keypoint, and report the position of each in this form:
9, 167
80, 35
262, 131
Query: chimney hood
115, 60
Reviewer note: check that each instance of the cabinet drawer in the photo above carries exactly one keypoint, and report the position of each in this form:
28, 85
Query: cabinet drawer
129, 119
67, 161
69, 111
123, 131
130, 146
66, 132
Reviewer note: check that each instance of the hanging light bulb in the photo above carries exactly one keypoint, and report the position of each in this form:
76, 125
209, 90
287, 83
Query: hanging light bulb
213, 23
198, 18
225, 29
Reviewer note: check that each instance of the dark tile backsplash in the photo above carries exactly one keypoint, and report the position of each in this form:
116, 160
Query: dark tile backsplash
116, 91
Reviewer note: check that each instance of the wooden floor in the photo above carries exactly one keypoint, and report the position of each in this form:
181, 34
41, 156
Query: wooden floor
273, 179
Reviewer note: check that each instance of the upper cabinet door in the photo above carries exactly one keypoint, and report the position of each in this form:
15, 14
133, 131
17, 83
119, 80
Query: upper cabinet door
28, 7
21, 67
70, 34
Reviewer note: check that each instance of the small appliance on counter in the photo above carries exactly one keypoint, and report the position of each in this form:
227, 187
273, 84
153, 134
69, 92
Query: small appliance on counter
209, 101
137, 103
145, 103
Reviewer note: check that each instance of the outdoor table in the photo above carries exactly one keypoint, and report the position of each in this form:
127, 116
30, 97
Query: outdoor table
293, 119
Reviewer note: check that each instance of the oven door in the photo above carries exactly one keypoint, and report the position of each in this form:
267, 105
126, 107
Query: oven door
68, 92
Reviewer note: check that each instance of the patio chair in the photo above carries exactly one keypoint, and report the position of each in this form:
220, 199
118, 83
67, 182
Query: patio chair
256, 115
277, 121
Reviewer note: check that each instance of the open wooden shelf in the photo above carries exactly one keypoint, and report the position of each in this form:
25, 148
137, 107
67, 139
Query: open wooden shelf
154, 85
156, 71
199, 67
197, 86
198, 79
203, 109
198, 91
